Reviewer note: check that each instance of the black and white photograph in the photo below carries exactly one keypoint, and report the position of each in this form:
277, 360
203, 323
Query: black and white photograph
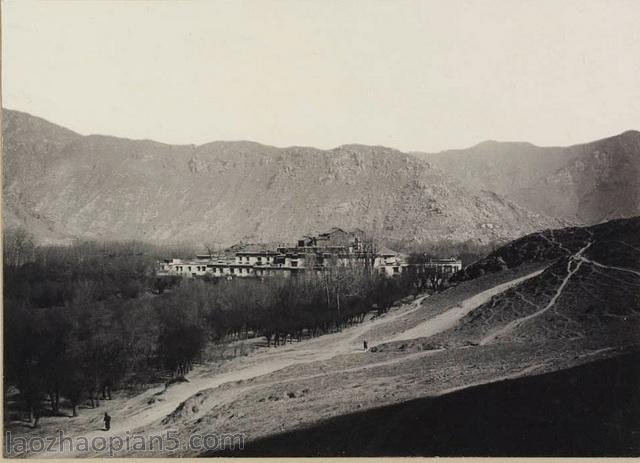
296, 228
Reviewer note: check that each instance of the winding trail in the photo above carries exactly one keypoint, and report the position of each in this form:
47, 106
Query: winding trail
610, 267
576, 259
151, 406
157, 403
451, 317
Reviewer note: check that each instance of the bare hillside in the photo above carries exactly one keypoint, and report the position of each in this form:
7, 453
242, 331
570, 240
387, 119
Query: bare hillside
503, 167
589, 290
112, 188
585, 184
601, 182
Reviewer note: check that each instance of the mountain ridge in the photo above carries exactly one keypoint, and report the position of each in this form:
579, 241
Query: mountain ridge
587, 183
65, 186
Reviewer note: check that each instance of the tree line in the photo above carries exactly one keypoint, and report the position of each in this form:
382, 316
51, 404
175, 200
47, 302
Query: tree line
81, 321
467, 251
84, 320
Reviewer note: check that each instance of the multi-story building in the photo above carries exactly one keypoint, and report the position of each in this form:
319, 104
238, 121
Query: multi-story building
334, 248
390, 263
445, 267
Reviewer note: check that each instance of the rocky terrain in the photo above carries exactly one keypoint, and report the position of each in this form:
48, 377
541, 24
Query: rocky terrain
503, 167
63, 185
585, 184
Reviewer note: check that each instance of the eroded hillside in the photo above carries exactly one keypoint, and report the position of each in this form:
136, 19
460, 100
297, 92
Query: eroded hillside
589, 290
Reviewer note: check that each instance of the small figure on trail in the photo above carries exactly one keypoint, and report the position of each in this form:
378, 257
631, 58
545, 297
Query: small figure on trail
366, 346
36, 418
107, 421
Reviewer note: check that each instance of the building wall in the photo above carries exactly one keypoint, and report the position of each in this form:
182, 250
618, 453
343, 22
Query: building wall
254, 259
344, 248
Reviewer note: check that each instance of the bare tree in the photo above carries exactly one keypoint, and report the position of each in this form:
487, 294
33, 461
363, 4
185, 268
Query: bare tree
18, 247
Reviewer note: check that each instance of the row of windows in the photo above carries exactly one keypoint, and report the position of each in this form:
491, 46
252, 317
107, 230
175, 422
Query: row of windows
221, 270
199, 268
203, 268
258, 258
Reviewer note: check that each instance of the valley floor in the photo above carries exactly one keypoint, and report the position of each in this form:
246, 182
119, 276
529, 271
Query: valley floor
279, 391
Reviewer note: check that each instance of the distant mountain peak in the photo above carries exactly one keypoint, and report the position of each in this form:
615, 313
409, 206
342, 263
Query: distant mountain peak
496, 143
584, 183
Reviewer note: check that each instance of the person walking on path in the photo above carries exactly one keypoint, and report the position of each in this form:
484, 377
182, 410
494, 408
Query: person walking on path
107, 421
366, 346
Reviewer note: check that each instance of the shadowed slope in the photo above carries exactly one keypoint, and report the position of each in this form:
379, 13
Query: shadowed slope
589, 410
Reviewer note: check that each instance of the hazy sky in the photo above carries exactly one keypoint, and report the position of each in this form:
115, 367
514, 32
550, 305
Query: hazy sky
415, 75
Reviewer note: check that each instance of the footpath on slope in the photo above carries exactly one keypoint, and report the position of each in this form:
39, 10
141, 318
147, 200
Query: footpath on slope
157, 403
572, 269
451, 317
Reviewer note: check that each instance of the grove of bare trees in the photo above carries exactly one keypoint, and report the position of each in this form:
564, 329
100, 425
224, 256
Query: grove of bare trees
84, 320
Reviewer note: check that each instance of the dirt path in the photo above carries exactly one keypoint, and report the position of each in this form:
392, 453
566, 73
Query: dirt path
572, 269
155, 404
610, 267
452, 316
137, 411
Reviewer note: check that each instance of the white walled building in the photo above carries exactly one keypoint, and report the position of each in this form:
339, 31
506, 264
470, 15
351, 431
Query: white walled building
335, 248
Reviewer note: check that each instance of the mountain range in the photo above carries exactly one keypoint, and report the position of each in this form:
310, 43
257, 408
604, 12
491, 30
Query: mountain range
62, 185
584, 184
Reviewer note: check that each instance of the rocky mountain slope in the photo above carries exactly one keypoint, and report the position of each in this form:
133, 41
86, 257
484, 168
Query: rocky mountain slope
587, 183
63, 185
30, 147
503, 167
